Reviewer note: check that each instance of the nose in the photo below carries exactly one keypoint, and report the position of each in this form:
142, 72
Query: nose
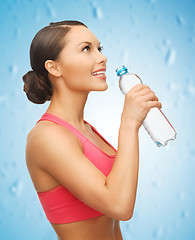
101, 58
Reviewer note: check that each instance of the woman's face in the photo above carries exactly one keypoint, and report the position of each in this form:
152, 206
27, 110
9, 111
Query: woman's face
79, 59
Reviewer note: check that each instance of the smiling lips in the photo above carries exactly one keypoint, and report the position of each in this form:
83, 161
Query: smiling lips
100, 73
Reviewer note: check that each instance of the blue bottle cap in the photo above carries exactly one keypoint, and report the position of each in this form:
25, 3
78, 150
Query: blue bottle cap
122, 70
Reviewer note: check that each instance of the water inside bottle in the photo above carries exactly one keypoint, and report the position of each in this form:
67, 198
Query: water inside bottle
160, 135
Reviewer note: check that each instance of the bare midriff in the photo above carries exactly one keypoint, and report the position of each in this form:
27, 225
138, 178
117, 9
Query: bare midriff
99, 228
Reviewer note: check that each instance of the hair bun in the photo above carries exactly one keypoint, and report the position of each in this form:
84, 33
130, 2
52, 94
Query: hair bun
36, 87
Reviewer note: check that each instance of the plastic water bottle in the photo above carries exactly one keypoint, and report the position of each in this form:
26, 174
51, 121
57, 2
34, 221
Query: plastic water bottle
156, 124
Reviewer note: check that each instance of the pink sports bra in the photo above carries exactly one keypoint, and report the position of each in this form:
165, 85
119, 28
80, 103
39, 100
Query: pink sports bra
59, 204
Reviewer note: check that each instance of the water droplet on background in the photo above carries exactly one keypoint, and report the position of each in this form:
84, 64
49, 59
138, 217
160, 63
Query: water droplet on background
191, 89
51, 11
156, 184
134, 20
13, 69
180, 20
4, 173
16, 188
156, 16
3, 99
166, 42
158, 232
97, 12
151, 1
171, 86
37, 15
185, 214
14, 164
191, 40
182, 196
170, 58
17, 32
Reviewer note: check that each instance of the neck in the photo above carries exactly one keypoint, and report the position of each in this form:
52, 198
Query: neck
69, 106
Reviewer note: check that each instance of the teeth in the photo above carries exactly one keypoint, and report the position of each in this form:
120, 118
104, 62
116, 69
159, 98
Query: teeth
98, 73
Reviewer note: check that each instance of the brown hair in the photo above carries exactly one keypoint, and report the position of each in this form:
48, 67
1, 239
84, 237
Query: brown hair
46, 45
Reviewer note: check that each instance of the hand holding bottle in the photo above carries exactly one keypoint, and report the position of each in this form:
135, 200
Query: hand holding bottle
138, 102
142, 106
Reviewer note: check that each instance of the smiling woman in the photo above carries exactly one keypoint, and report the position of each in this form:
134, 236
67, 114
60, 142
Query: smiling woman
84, 184
52, 48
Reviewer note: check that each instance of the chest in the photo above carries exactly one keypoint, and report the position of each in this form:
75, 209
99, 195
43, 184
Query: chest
99, 142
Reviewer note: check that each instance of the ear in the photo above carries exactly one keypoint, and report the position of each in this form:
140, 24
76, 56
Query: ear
52, 68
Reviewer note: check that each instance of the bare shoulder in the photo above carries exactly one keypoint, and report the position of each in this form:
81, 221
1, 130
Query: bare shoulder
45, 133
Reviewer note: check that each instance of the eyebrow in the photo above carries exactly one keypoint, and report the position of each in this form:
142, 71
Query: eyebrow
87, 43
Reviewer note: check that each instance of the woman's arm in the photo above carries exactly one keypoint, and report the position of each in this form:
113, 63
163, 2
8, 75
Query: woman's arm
122, 180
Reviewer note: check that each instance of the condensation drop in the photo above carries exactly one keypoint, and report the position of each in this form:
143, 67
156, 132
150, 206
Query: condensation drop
97, 12
154, 184
17, 33
125, 57
182, 196
166, 42
26, 215
14, 164
4, 173
185, 214
51, 11
13, 69
16, 188
156, 16
163, 46
180, 20
37, 15
170, 58
191, 40
192, 152
172, 86
191, 89
134, 20
131, 6
158, 233
3, 99
151, 1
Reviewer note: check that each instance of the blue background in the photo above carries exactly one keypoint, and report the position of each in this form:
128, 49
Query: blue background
153, 38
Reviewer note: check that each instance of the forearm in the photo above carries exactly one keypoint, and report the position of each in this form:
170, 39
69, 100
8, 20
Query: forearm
123, 178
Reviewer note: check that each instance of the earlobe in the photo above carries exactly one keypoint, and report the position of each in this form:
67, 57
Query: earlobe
52, 68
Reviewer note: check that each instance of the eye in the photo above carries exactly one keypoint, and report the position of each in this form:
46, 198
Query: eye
87, 47
101, 48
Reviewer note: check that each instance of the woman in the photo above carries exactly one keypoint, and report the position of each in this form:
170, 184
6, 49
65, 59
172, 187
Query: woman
84, 185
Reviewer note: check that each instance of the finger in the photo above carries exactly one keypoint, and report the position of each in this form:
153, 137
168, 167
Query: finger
153, 104
149, 97
144, 91
138, 87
